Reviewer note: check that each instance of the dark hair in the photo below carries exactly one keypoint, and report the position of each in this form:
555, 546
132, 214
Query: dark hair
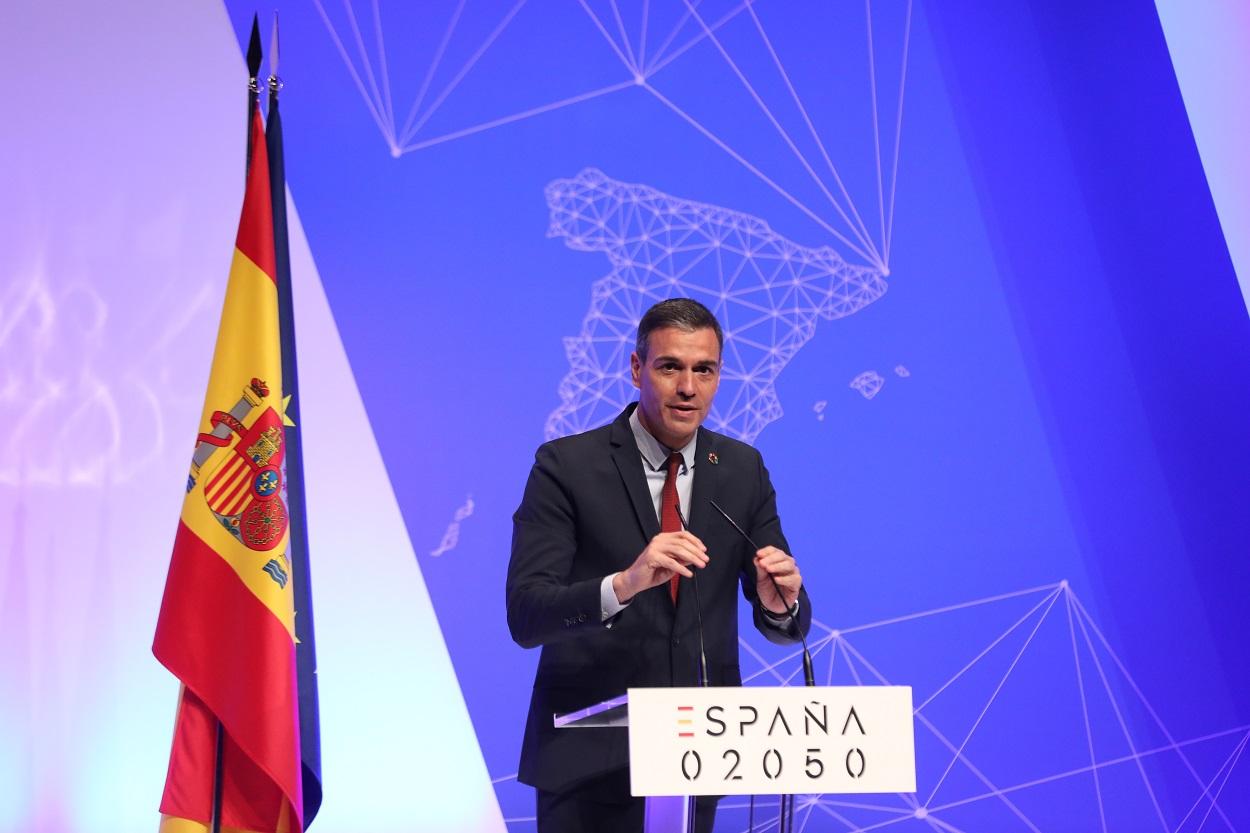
684, 314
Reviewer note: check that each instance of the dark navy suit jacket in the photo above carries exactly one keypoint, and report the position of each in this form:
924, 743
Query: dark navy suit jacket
587, 513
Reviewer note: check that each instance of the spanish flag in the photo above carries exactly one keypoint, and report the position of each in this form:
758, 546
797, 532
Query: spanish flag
227, 621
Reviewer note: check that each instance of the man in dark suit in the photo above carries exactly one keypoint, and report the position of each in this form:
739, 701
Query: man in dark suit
600, 568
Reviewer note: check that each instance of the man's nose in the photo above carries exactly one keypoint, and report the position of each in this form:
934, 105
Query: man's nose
685, 383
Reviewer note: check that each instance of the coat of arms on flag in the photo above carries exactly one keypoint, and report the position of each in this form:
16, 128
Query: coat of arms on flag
244, 489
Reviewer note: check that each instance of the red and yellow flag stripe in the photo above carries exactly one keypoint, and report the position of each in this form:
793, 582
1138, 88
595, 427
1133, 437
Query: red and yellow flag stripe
226, 627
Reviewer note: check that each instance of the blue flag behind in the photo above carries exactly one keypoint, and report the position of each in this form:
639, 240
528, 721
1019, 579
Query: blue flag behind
306, 646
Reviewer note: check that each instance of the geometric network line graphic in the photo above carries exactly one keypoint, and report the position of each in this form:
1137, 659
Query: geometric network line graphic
868, 383
1026, 719
767, 292
451, 537
640, 40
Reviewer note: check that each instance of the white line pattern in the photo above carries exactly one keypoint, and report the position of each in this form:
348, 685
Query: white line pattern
767, 292
617, 27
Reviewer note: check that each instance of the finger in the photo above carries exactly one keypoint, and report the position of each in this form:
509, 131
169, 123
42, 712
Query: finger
673, 560
675, 566
686, 535
679, 535
792, 581
791, 592
674, 546
687, 553
777, 564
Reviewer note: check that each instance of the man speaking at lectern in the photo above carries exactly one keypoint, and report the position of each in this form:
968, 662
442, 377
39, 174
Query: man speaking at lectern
601, 568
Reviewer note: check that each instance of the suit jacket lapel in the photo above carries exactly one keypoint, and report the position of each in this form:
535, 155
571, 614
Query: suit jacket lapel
706, 477
699, 512
629, 464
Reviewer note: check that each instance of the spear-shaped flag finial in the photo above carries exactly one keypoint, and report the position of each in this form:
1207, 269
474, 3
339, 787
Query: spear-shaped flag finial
253, 85
253, 50
275, 83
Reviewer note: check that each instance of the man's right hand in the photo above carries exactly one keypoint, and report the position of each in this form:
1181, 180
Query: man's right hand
668, 554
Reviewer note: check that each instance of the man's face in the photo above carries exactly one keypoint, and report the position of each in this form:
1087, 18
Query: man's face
676, 382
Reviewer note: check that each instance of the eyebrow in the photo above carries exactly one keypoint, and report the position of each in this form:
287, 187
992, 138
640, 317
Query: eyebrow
675, 360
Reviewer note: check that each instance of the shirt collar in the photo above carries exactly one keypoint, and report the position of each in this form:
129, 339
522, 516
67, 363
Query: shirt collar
654, 452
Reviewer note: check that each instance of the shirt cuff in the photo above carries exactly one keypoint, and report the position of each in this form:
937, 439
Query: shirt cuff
608, 605
780, 621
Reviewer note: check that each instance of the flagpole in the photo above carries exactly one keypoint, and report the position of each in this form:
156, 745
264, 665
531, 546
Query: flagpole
253, 101
217, 773
293, 462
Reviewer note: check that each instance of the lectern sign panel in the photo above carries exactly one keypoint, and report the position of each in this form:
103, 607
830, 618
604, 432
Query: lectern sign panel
750, 741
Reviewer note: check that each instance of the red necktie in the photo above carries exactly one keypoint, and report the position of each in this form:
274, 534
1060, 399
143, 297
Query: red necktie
670, 520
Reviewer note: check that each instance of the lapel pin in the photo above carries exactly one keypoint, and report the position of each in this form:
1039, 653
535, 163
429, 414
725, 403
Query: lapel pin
712, 458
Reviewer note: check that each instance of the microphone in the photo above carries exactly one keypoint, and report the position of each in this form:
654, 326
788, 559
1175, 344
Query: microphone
809, 672
698, 606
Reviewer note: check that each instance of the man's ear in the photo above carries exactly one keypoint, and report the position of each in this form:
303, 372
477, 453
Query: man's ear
635, 369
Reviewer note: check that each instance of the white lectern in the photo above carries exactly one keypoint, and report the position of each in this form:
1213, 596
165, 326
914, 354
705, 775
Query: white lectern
750, 741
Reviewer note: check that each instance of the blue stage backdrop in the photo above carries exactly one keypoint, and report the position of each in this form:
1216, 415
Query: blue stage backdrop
981, 320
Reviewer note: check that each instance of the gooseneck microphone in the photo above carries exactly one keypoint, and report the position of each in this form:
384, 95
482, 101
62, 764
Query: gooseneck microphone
698, 606
785, 804
691, 805
809, 672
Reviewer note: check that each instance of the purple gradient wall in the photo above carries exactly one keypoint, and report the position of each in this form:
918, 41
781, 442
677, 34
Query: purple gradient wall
120, 189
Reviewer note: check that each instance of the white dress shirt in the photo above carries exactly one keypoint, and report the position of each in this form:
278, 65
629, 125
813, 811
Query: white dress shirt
655, 465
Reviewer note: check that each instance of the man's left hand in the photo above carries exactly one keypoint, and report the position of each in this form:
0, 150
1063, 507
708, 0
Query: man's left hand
771, 561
